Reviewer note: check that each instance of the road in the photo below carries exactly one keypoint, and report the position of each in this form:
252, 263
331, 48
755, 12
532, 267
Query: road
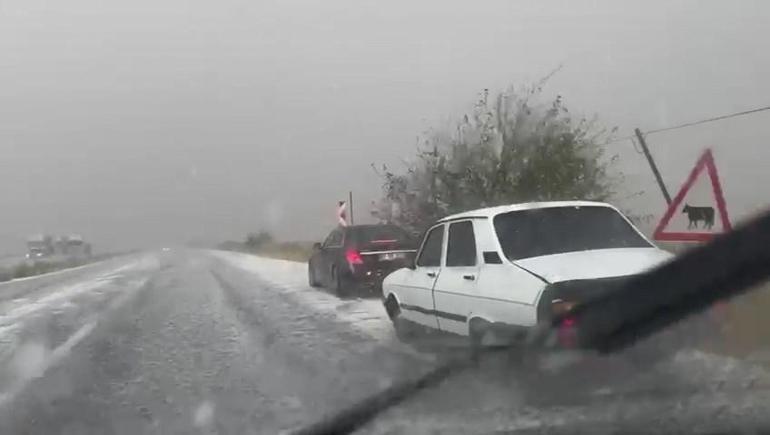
215, 342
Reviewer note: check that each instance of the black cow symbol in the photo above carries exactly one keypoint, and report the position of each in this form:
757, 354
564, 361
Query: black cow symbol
697, 214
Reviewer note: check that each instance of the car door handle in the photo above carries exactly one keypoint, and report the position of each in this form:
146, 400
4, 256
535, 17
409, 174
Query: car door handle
469, 277
431, 274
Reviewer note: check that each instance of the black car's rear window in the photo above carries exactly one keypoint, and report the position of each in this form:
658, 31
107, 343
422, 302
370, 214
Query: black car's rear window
376, 234
555, 230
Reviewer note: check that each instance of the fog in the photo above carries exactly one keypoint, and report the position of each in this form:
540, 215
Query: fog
144, 122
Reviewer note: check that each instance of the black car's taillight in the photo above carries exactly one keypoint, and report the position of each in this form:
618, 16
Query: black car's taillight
353, 257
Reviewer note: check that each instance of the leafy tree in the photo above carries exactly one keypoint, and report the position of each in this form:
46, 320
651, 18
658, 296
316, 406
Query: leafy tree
508, 150
258, 240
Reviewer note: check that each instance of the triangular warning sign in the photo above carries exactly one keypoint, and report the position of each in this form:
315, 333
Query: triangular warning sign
698, 211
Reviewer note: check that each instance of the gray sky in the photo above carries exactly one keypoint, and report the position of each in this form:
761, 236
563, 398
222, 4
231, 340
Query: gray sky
143, 122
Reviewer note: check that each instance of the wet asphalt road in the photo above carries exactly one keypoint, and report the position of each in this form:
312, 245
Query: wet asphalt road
175, 343
186, 342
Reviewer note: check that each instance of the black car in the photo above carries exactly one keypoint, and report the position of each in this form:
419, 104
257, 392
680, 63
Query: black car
359, 257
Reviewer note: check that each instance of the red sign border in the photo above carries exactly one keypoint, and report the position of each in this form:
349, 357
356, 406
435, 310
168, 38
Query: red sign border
706, 161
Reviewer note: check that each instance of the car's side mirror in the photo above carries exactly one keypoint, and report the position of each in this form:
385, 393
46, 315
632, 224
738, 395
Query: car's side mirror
316, 246
412, 263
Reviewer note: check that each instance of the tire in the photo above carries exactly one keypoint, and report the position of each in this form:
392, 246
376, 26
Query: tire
476, 331
311, 280
501, 356
338, 284
405, 331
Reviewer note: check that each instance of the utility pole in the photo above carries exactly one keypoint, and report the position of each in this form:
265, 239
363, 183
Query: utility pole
654, 168
434, 170
350, 196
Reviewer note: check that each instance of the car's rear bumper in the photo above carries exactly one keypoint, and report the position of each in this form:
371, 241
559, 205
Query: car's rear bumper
368, 280
371, 281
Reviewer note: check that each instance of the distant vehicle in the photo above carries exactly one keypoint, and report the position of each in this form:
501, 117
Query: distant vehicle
39, 246
72, 245
36, 253
358, 257
492, 274
43, 245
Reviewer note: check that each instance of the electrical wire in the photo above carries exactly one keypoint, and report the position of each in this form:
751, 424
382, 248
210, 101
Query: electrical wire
693, 123
704, 121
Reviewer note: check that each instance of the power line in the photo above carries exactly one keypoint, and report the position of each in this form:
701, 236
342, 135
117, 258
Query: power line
690, 124
704, 121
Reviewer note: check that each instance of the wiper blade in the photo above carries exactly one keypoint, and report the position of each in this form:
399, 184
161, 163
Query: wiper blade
351, 419
726, 267
647, 303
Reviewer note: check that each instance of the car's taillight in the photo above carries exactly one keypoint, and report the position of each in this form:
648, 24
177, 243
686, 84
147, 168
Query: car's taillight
567, 333
353, 257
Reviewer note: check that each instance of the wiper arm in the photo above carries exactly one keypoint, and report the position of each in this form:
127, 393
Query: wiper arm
351, 419
727, 267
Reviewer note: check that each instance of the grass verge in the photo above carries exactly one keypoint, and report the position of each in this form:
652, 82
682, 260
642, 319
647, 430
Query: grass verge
28, 268
293, 251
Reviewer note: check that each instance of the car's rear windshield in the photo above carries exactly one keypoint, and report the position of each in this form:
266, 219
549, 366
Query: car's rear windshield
555, 230
380, 234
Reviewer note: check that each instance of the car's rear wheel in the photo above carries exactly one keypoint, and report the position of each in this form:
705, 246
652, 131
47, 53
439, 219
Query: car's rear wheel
338, 284
311, 279
484, 344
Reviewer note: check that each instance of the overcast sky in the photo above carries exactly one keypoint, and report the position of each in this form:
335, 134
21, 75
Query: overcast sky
143, 122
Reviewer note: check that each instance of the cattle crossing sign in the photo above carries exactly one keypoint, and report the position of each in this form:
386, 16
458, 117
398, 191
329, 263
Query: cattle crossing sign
698, 211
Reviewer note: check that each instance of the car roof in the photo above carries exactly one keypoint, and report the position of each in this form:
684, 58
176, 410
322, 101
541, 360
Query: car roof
494, 211
369, 226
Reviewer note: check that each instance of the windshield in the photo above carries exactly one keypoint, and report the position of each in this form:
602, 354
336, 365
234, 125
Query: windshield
556, 230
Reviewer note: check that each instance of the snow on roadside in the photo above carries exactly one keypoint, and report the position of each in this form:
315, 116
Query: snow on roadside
690, 367
14, 310
290, 277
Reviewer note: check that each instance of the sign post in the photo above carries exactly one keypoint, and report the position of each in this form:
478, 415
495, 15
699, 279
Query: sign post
653, 166
698, 211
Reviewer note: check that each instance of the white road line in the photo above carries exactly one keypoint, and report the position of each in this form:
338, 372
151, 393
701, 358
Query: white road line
34, 361
31, 360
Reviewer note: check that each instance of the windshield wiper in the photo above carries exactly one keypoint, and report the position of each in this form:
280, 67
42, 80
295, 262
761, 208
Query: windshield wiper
728, 266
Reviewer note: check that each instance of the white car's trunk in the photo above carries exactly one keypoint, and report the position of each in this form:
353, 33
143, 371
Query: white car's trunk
601, 263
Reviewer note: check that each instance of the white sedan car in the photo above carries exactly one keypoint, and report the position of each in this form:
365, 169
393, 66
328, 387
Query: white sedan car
494, 273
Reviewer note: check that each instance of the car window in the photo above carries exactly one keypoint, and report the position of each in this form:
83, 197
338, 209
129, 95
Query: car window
555, 230
430, 255
461, 246
334, 239
328, 239
379, 234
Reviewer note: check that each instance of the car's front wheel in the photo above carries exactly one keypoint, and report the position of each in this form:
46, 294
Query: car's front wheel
405, 330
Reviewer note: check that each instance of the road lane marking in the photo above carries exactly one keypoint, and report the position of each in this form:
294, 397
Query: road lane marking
33, 361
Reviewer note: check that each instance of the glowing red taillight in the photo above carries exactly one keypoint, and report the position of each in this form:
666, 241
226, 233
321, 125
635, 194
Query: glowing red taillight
353, 257
568, 322
567, 333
